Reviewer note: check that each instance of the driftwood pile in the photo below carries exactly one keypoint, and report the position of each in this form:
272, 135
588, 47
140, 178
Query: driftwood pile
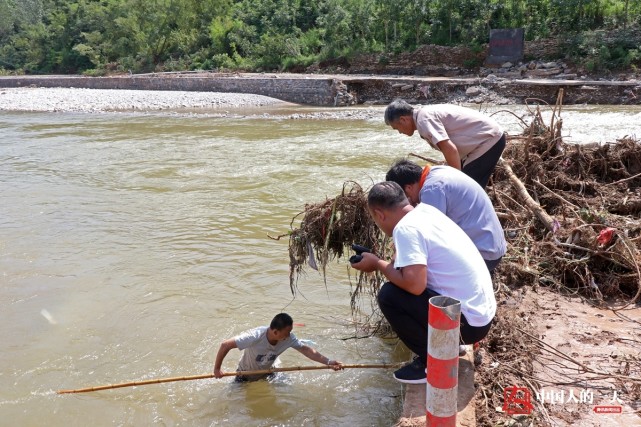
571, 213
572, 218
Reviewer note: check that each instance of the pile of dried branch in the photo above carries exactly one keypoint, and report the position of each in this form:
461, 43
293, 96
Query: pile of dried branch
325, 233
572, 217
328, 228
571, 213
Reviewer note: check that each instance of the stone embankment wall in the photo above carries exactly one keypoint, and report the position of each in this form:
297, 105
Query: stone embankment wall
431, 60
554, 48
546, 48
317, 91
325, 90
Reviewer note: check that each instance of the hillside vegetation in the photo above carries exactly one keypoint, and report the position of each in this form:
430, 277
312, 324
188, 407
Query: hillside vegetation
101, 36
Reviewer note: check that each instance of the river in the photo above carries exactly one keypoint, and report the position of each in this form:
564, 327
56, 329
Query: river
133, 244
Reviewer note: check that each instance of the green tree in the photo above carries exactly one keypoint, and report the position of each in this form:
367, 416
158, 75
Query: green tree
78, 35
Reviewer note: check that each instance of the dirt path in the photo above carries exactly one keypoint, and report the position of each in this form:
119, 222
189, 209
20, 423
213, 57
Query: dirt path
598, 338
574, 342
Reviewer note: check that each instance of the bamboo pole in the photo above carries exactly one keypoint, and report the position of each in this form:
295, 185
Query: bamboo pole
428, 159
226, 374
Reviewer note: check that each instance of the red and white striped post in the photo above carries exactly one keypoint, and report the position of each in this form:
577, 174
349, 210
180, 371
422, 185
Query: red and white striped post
443, 325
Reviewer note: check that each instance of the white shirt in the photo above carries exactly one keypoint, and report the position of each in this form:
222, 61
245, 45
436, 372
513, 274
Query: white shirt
455, 268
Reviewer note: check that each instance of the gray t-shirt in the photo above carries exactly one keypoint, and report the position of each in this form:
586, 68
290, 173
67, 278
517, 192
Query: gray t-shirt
463, 200
472, 132
258, 352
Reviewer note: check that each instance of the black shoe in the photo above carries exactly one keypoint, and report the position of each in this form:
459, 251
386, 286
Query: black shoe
412, 373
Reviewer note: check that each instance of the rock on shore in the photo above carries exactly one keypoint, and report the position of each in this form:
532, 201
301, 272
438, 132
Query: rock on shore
100, 100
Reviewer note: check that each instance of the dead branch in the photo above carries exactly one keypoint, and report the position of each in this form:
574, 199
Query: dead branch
523, 194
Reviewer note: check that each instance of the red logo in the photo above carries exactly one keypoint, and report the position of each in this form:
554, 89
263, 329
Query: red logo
517, 400
608, 409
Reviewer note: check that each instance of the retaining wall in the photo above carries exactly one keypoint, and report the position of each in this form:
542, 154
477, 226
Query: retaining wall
327, 90
299, 90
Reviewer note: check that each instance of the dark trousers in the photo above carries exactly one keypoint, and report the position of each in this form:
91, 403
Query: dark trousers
407, 315
481, 169
491, 265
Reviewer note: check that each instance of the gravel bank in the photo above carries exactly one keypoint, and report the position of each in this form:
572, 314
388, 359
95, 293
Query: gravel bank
101, 100
210, 104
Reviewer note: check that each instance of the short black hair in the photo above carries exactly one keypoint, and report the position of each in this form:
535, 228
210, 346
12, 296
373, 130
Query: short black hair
404, 172
386, 195
396, 109
281, 321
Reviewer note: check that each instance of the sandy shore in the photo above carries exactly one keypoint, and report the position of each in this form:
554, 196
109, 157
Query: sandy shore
101, 100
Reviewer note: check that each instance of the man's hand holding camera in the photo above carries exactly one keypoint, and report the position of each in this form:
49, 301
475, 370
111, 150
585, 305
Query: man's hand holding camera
364, 260
368, 263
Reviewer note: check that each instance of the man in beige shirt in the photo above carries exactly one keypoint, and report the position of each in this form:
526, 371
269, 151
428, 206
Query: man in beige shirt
470, 141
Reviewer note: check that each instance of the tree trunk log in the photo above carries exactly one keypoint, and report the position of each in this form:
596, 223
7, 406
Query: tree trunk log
532, 205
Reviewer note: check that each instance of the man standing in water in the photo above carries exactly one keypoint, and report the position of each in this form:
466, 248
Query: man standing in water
261, 347
469, 140
433, 257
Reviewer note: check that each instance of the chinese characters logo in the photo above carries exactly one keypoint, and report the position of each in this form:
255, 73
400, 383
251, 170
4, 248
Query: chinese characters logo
517, 400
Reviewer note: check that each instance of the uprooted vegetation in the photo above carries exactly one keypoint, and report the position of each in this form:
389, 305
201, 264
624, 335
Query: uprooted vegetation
325, 233
572, 220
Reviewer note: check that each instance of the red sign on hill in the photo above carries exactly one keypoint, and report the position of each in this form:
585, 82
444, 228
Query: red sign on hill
505, 46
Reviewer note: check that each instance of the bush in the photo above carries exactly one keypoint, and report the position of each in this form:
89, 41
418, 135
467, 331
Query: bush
472, 63
127, 64
95, 72
5, 72
174, 64
603, 51
311, 42
274, 48
222, 61
298, 64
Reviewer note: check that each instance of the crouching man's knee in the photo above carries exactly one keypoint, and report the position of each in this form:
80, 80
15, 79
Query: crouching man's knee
387, 295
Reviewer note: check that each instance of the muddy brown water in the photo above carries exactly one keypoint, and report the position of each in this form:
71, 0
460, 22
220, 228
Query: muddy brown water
132, 244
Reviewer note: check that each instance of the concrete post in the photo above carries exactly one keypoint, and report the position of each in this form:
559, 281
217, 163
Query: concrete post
444, 321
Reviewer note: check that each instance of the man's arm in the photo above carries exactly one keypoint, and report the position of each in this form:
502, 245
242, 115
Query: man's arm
412, 278
450, 152
312, 354
225, 346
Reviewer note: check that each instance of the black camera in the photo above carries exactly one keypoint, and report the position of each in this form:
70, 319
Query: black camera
355, 259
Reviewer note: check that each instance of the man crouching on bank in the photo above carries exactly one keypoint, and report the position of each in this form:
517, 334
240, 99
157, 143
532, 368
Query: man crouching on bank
433, 257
